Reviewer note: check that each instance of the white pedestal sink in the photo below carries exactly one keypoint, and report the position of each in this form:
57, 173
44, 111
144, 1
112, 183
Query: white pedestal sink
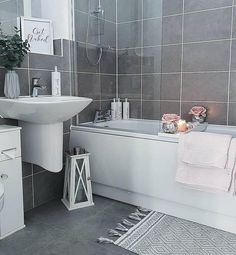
41, 119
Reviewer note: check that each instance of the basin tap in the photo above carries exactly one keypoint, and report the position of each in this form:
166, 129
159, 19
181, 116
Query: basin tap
36, 87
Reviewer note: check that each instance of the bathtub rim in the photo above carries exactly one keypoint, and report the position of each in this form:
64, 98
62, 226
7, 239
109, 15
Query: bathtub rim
91, 127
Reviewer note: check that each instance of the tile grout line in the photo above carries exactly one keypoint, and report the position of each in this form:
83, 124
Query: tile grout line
117, 52
141, 62
180, 43
230, 62
178, 14
182, 60
33, 186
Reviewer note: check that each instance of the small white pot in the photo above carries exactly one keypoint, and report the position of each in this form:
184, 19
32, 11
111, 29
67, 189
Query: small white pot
12, 85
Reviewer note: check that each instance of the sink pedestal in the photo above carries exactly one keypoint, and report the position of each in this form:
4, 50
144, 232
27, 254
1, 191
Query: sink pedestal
42, 144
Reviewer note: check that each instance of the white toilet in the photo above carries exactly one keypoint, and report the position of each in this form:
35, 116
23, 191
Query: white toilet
1, 196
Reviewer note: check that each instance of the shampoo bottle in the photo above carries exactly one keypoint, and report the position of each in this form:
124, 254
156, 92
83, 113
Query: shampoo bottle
119, 109
126, 109
113, 109
56, 83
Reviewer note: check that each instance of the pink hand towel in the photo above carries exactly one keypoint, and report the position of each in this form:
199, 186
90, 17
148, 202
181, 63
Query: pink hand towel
205, 149
208, 178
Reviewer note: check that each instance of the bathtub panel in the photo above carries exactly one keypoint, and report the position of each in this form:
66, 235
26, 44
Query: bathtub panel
147, 167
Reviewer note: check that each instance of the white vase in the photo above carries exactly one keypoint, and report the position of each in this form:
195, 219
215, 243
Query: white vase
11, 86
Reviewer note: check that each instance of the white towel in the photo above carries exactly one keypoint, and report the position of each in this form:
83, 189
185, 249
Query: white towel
205, 149
208, 178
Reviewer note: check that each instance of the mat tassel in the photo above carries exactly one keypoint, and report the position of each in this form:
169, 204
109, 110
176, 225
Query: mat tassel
120, 227
140, 213
144, 210
104, 240
134, 216
127, 223
113, 232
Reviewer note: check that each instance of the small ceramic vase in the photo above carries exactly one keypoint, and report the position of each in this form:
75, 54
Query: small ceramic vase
12, 86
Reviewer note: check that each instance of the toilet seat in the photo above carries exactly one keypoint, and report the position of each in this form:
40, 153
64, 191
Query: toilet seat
1, 195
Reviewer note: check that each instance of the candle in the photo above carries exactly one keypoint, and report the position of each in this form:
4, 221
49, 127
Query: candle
182, 126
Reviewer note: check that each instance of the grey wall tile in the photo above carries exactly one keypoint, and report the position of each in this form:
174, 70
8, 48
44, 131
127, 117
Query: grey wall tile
171, 58
170, 86
52, 184
151, 86
216, 114
232, 114
152, 32
232, 91
129, 35
135, 109
129, 10
129, 86
27, 169
171, 7
28, 193
197, 5
151, 110
108, 62
24, 81
65, 84
81, 5
89, 86
38, 169
233, 52
169, 107
109, 7
46, 62
152, 8
208, 25
205, 87
129, 61
66, 126
81, 29
108, 38
83, 63
234, 22
212, 56
151, 59
172, 29
108, 86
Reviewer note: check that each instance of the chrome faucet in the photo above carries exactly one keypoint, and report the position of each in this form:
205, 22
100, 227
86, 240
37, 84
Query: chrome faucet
100, 116
36, 87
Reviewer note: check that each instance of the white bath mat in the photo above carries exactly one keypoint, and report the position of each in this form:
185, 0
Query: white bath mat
157, 233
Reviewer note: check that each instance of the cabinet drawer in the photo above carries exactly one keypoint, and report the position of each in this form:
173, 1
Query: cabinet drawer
10, 145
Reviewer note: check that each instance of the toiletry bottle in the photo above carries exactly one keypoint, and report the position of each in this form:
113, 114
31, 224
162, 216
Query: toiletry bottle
113, 109
119, 109
56, 83
126, 109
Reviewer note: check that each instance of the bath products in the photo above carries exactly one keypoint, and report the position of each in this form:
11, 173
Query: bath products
113, 109
119, 109
56, 83
126, 109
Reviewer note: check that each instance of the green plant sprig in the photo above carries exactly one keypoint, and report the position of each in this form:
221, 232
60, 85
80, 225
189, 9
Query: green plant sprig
12, 49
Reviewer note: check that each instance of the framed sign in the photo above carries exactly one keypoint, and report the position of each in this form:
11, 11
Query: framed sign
39, 33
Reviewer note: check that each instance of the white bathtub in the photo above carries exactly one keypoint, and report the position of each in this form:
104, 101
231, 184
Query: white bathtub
130, 162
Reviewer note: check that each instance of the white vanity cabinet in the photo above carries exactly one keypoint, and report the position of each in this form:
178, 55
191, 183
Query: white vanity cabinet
12, 214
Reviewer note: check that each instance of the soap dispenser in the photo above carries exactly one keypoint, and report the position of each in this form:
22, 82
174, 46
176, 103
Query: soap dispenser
113, 109
56, 83
126, 109
119, 109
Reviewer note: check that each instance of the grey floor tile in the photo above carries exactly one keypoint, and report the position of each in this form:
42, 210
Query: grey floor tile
52, 229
